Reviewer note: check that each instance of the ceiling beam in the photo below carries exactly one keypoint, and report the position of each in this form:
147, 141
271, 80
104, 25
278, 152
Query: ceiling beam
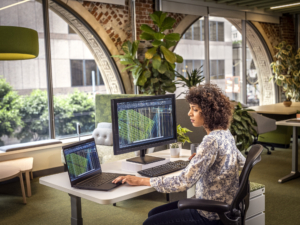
224, 1
263, 3
239, 2
270, 4
285, 10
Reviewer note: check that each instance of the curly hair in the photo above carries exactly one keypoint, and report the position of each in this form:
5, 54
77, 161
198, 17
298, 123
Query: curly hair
216, 108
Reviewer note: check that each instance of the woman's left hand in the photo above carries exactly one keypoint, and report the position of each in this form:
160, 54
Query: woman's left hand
133, 180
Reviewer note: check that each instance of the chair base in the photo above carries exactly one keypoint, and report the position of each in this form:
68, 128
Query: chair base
262, 144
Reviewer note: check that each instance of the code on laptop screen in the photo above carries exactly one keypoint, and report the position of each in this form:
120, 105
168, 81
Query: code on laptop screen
144, 122
82, 159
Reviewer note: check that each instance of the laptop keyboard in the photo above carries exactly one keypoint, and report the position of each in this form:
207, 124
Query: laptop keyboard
99, 179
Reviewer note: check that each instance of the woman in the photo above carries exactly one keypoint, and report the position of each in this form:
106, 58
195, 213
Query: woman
214, 168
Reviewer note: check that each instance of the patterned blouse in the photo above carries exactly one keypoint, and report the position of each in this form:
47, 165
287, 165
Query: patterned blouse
214, 170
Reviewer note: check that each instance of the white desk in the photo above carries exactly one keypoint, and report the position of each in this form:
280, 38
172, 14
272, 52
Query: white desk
277, 108
294, 173
61, 182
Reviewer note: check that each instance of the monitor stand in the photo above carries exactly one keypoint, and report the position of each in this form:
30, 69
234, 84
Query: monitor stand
144, 159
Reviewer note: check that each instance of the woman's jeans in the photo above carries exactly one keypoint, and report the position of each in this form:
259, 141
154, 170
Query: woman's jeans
170, 214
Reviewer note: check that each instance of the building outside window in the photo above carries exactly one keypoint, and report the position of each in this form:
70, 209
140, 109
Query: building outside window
225, 48
196, 31
27, 80
82, 73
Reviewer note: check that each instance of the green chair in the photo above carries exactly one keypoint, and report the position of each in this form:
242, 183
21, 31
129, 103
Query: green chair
103, 106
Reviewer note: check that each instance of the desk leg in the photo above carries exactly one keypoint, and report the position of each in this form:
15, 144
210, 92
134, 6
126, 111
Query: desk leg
294, 173
76, 215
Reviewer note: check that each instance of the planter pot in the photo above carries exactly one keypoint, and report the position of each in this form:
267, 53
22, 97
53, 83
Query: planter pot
175, 152
287, 103
175, 149
298, 116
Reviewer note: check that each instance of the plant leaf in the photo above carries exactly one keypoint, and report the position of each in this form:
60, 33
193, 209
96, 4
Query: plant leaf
172, 37
127, 47
167, 24
179, 59
142, 79
146, 36
156, 43
156, 61
162, 69
169, 56
170, 88
135, 46
159, 36
169, 44
150, 53
147, 29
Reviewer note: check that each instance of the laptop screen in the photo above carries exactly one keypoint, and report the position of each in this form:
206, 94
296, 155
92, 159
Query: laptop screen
82, 159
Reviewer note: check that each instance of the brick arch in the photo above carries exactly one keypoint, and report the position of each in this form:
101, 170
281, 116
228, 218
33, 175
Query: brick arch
115, 82
259, 53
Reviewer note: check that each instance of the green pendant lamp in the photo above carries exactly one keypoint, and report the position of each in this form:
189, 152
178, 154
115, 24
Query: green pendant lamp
18, 43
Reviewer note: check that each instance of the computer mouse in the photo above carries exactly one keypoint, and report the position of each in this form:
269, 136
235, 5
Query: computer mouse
119, 183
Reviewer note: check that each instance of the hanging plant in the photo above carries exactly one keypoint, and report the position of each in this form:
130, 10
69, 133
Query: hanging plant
155, 75
286, 69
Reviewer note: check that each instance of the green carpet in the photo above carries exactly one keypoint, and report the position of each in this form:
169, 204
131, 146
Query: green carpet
49, 206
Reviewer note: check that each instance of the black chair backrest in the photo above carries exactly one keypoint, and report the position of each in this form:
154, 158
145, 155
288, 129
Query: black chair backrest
244, 189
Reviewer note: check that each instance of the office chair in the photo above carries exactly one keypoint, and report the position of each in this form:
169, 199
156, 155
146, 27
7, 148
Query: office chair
264, 125
234, 214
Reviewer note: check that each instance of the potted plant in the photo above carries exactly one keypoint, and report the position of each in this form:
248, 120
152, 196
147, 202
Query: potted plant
298, 114
193, 79
181, 140
242, 127
286, 69
155, 75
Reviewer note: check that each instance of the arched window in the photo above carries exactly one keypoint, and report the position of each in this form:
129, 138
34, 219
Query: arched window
225, 51
76, 76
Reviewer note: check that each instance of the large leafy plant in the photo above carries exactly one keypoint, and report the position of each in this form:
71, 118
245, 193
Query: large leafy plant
155, 75
242, 127
286, 69
181, 136
193, 79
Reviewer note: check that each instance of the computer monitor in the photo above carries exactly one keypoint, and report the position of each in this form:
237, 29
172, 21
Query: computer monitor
143, 122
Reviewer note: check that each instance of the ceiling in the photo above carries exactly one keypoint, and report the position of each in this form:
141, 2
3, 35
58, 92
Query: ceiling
263, 5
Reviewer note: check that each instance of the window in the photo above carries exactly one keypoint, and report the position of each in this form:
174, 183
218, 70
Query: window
217, 70
216, 31
189, 65
82, 73
72, 64
196, 31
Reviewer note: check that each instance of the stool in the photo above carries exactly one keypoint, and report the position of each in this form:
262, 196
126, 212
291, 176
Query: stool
8, 172
25, 166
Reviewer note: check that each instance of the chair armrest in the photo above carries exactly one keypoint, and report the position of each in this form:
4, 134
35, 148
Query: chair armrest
202, 204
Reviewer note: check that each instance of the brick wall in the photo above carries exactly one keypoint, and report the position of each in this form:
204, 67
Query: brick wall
285, 31
116, 19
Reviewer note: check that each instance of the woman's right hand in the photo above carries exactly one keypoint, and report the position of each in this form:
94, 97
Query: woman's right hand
192, 156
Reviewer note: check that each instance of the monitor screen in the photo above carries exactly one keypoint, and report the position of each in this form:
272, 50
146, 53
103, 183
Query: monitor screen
143, 122
82, 159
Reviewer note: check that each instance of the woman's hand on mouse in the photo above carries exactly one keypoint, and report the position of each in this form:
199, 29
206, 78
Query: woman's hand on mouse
192, 156
133, 180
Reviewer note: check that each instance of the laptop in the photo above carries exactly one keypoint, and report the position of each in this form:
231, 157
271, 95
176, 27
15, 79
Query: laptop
84, 167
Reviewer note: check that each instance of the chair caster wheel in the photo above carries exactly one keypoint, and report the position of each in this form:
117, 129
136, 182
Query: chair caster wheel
269, 153
272, 148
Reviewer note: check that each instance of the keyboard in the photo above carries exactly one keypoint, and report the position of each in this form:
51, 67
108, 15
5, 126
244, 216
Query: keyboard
99, 179
167, 168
